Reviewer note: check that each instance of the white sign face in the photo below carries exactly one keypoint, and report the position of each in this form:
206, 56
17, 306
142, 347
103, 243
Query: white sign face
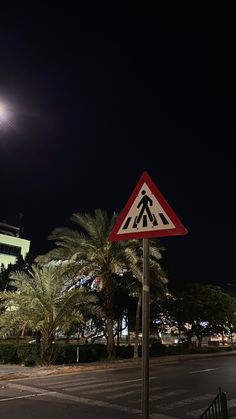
145, 214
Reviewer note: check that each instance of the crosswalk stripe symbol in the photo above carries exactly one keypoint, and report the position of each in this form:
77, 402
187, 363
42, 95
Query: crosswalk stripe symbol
146, 214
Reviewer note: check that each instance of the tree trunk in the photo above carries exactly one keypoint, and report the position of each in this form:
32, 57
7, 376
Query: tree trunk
107, 299
47, 349
110, 338
137, 324
189, 342
38, 337
38, 343
199, 338
118, 333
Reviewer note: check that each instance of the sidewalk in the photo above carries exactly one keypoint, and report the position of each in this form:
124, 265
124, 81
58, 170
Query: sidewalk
10, 372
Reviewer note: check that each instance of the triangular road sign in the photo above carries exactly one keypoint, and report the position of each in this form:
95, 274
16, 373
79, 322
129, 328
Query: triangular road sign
146, 214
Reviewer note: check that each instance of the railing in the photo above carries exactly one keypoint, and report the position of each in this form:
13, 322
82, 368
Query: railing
217, 409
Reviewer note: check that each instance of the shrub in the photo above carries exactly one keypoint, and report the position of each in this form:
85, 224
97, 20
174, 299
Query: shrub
29, 354
92, 353
157, 349
67, 354
125, 351
8, 353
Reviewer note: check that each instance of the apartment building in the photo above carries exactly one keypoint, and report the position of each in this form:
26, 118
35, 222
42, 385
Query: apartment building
11, 244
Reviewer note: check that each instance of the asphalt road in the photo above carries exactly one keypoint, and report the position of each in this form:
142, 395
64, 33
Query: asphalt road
178, 390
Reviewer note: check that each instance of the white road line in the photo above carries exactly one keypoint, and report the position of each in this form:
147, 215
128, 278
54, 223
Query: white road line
185, 402
102, 384
109, 390
27, 396
77, 382
206, 370
167, 394
109, 384
124, 394
128, 393
231, 403
98, 403
196, 413
83, 400
77, 379
23, 387
114, 406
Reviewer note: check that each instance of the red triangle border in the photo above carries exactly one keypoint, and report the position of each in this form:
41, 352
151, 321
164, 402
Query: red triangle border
179, 229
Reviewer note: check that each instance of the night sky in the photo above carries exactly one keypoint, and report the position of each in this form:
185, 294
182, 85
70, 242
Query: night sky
96, 96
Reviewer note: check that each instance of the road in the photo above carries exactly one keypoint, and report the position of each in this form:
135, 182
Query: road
178, 390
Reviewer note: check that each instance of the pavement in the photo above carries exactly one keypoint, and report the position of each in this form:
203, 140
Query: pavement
10, 371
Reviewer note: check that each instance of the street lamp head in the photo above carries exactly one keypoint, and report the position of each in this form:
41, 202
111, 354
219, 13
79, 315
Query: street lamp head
5, 116
3, 112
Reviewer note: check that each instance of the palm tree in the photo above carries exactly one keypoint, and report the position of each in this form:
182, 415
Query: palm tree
44, 303
95, 256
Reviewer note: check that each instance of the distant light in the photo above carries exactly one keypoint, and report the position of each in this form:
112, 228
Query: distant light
3, 112
6, 116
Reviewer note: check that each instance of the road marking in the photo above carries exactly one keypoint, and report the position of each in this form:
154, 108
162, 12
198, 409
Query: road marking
185, 402
38, 392
97, 384
84, 400
22, 387
109, 390
167, 394
196, 413
124, 394
206, 370
27, 396
100, 384
72, 398
98, 403
231, 403
50, 382
84, 384
128, 393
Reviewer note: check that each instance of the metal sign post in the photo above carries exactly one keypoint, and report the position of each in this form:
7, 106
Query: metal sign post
145, 331
146, 214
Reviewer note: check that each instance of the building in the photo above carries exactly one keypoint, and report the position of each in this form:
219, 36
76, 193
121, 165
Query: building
11, 245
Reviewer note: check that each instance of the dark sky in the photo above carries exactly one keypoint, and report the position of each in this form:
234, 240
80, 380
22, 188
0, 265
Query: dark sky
98, 96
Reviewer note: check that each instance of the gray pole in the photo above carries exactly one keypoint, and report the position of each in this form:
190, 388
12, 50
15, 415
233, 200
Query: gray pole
145, 331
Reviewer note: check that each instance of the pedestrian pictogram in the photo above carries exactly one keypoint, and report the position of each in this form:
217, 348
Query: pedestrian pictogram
144, 203
146, 214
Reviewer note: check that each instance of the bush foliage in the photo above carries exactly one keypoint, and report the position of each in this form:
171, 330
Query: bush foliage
66, 353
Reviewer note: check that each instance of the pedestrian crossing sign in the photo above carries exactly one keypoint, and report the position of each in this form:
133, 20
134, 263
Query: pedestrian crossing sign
146, 214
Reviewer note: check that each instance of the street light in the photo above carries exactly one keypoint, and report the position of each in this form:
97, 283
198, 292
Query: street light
3, 112
5, 116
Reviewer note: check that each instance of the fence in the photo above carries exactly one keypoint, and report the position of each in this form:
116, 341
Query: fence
217, 409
